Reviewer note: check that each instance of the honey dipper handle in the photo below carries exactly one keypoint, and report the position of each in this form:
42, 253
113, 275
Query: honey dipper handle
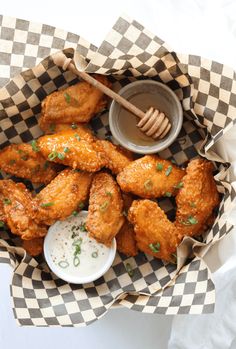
66, 63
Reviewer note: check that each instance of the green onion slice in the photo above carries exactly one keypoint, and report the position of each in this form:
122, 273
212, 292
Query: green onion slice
76, 261
168, 170
61, 156
47, 204
81, 205
155, 248
63, 264
190, 221
53, 155
179, 185
67, 97
66, 150
2, 224
94, 254
168, 194
129, 269
77, 249
12, 162
82, 227
159, 167
6, 201
77, 242
34, 146
75, 213
192, 204
104, 206
108, 193
77, 136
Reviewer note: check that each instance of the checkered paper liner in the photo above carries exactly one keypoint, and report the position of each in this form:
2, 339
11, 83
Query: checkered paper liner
207, 92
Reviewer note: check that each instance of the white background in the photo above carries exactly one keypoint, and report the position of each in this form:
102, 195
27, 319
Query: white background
206, 28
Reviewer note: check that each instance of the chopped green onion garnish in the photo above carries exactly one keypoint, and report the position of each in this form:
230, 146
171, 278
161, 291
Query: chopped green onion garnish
46, 165
63, 264
75, 213
94, 254
74, 126
129, 269
168, 171
81, 205
173, 161
76, 261
67, 97
108, 193
190, 221
52, 127
77, 249
77, 242
53, 155
148, 184
66, 150
77, 136
82, 227
179, 185
168, 194
155, 247
6, 201
2, 224
61, 156
47, 204
159, 167
12, 162
24, 157
104, 206
34, 146
192, 204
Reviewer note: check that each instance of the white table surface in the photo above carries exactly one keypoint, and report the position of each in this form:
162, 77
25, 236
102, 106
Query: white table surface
206, 28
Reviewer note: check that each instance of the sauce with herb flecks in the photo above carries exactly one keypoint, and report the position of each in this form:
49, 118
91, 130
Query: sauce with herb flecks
73, 250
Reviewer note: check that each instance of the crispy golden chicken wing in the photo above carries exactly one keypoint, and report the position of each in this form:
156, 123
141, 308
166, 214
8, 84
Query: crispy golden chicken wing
154, 233
2, 213
77, 103
151, 177
74, 148
20, 210
33, 247
125, 239
117, 157
24, 160
68, 192
196, 199
105, 216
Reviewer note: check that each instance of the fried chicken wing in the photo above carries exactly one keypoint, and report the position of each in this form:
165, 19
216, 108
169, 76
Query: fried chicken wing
74, 148
154, 233
33, 247
20, 210
125, 239
2, 213
77, 103
151, 177
196, 199
22, 161
117, 157
105, 216
66, 193
83, 128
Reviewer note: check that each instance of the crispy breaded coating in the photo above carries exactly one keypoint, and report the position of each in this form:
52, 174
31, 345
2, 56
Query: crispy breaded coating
22, 161
125, 239
154, 233
196, 199
2, 213
77, 103
55, 128
105, 216
117, 157
66, 193
150, 177
20, 210
74, 148
33, 247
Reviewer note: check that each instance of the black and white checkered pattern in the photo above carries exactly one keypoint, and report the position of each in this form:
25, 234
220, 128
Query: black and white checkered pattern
207, 93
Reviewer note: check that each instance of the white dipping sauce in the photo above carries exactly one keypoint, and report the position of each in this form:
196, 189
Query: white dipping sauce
72, 254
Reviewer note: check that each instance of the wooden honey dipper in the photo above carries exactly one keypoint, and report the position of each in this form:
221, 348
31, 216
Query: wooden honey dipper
153, 123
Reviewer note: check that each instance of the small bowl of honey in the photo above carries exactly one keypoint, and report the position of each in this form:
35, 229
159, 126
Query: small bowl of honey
145, 94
